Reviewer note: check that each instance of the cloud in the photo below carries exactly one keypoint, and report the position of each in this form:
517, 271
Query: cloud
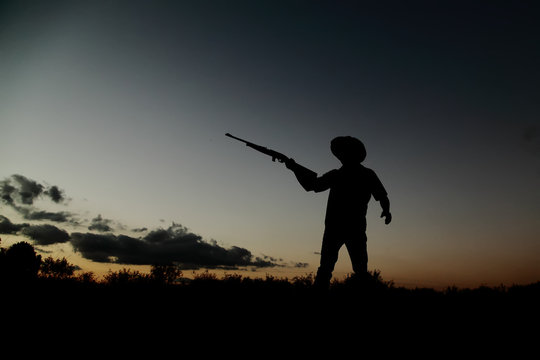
175, 245
18, 189
32, 214
7, 227
100, 224
6, 191
42, 234
46, 234
27, 190
20, 192
55, 194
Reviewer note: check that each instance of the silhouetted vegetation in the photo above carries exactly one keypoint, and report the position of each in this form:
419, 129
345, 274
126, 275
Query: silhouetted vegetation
164, 294
56, 268
19, 263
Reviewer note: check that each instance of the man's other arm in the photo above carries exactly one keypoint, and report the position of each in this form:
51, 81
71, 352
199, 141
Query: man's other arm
385, 205
380, 194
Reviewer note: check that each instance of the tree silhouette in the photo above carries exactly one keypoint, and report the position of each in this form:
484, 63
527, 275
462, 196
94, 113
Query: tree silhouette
20, 262
57, 268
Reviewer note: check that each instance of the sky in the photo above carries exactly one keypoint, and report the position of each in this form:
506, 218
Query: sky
113, 115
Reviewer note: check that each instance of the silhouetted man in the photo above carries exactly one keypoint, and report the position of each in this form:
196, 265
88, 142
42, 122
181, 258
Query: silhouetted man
351, 187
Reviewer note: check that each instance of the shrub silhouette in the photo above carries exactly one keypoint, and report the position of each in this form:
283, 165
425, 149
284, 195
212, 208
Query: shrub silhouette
87, 277
165, 274
126, 277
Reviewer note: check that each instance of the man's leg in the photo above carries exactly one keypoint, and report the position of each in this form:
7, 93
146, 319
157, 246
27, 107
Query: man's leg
357, 248
329, 255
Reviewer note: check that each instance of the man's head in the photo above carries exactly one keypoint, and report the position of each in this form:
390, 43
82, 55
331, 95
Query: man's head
348, 149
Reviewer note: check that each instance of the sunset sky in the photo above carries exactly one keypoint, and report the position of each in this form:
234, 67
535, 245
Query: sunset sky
113, 115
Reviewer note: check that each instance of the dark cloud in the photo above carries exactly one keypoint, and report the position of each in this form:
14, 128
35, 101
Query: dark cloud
260, 262
175, 245
270, 258
31, 214
27, 190
20, 192
55, 194
7, 191
18, 189
98, 247
7, 227
46, 234
100, 224
42, 234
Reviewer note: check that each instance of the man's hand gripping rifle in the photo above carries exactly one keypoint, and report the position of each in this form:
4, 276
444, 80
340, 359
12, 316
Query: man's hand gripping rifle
304, 175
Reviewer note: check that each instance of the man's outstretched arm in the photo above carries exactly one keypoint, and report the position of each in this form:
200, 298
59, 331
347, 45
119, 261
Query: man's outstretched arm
307, 178
385, 205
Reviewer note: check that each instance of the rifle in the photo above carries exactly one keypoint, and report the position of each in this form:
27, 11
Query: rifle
305, 176
274, 154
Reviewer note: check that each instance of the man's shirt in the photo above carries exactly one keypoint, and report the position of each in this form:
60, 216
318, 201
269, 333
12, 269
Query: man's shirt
351, 188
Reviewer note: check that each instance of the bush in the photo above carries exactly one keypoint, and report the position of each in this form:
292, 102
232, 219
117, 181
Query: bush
165, 274
57, 268
126, 277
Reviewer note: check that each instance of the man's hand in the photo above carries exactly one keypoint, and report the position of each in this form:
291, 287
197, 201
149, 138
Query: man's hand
387, 216
290, 163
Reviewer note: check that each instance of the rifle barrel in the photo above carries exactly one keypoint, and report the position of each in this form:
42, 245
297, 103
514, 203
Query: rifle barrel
236, 138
